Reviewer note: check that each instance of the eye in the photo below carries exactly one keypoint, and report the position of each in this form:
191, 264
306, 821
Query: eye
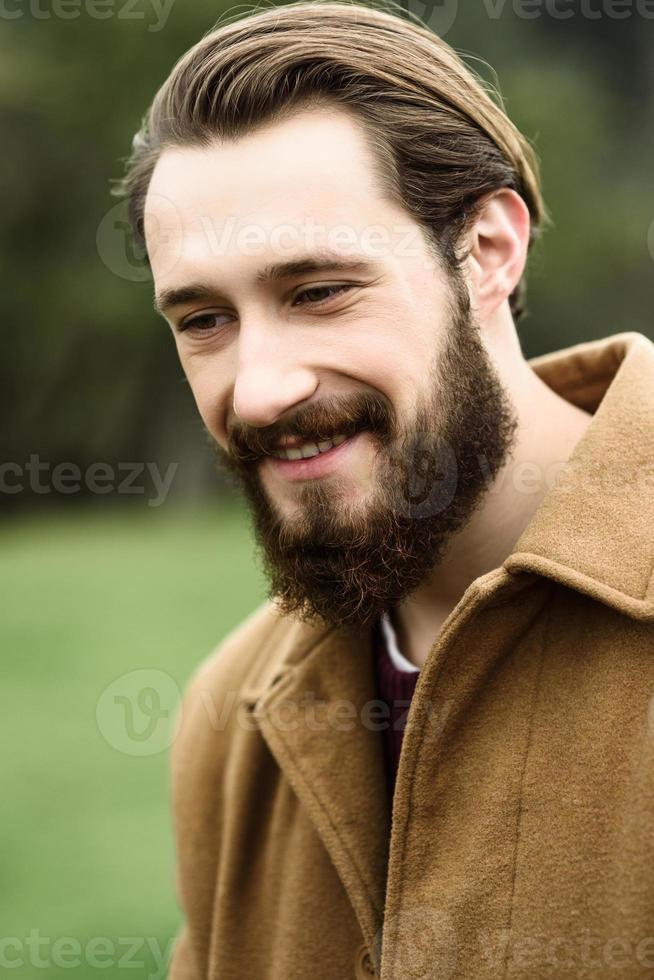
206, 322
203, 323
311, 293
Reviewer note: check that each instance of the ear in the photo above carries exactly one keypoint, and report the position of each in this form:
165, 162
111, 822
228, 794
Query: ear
498, 250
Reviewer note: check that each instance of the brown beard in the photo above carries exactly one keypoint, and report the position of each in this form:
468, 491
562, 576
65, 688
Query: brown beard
346, 566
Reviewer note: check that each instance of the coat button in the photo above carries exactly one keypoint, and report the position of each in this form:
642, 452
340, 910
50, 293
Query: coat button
363, 965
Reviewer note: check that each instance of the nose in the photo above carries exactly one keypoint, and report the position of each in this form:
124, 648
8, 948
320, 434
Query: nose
265, 390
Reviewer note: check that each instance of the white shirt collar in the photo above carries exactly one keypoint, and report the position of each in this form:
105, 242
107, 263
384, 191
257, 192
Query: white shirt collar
398, 659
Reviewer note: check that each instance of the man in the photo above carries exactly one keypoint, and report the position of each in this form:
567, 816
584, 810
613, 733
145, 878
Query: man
338, 217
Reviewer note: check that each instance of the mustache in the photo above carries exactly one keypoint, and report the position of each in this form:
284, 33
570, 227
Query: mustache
315, 422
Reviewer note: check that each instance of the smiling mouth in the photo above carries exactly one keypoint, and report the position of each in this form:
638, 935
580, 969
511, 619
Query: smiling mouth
306, 450
316, 464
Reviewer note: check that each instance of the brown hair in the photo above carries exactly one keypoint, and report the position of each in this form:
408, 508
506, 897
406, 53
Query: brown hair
441, 142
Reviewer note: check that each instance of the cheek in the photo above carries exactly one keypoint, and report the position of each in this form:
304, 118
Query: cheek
400, 368
209, 394
404, 337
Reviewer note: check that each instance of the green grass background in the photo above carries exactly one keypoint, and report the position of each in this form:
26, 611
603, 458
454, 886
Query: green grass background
87, 846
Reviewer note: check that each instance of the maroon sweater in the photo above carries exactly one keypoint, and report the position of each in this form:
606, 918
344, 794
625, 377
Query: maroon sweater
395, 688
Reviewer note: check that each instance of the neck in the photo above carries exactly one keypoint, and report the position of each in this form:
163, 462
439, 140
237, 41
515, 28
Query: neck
548, 430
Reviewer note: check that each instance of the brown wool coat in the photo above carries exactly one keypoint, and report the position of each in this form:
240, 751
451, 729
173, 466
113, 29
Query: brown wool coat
522, 838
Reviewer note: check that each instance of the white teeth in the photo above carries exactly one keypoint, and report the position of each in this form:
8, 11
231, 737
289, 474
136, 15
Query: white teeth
309, 449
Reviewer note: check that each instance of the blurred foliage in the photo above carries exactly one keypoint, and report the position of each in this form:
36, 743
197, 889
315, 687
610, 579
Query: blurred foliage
87, 842
90, 372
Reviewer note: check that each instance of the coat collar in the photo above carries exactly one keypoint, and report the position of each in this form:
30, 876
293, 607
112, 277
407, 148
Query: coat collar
592, 532
594, 529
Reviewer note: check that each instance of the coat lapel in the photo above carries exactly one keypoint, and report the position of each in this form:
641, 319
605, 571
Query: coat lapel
318, 718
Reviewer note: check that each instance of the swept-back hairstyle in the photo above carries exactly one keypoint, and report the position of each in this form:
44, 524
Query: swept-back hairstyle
440, 139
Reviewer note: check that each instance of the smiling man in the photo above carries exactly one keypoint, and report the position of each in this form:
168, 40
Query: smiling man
350, 391
338, 216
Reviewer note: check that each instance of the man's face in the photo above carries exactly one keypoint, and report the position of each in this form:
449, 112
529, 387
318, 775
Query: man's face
358, 332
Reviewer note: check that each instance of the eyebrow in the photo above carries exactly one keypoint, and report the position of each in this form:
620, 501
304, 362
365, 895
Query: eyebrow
175, 296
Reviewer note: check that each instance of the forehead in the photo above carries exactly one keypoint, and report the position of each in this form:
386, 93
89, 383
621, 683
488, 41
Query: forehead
313, 173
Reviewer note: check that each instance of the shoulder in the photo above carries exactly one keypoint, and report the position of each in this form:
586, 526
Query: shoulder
211, 717
214, 720
238, 664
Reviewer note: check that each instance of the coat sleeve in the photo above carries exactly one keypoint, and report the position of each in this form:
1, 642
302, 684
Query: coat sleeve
185, 958
182, 962
198, 760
